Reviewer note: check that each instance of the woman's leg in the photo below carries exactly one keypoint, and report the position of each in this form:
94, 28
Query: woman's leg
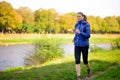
85, 59
85, 55
77, 55
78, 70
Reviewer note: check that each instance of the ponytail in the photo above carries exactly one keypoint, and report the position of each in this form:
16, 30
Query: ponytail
85, 17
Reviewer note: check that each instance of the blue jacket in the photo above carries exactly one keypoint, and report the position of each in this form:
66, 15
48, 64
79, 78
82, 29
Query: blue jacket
82, 39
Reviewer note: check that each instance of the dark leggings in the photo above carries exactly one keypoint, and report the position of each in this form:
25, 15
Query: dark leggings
77, 54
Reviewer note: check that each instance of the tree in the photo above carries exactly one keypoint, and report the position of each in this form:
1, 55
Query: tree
40, 20
53, 20
113, 24
8, 18
67, 22
28, 19
93, 24
118, 20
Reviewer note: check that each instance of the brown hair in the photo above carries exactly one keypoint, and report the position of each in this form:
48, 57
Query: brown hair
85, 17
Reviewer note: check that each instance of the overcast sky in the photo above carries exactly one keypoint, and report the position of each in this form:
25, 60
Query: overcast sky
89, 7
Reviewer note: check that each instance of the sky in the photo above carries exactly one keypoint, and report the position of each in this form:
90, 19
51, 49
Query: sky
101, 8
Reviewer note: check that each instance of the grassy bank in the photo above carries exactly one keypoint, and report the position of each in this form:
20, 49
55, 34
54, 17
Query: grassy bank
64, 68
104, 64
12, 39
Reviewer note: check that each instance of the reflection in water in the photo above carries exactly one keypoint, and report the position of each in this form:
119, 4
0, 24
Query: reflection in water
11, 56
68, 48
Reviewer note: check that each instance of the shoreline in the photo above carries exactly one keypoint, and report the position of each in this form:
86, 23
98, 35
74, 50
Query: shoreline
11, 44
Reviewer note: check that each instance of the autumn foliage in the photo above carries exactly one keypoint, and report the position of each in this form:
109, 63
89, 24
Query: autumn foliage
24, 20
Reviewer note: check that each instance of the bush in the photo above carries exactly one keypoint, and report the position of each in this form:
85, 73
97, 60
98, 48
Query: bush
45, 49
116, 43
95, 49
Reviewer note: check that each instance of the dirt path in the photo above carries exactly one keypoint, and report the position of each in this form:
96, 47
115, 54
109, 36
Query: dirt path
100, 72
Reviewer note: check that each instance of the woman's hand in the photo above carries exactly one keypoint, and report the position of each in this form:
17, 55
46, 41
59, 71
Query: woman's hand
77, 31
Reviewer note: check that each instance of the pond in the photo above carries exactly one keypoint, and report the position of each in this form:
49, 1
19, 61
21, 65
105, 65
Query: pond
11, 56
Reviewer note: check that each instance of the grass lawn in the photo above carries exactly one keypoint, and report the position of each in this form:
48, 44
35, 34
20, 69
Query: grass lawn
111, 74
64, 68
12, 39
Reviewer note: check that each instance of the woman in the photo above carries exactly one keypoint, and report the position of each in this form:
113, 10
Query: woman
81, 43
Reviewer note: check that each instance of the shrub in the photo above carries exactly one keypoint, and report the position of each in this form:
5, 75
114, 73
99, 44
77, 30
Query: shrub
45, 49
95, 49
116, 43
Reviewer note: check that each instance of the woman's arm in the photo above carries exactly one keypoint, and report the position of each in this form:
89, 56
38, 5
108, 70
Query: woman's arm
87, 33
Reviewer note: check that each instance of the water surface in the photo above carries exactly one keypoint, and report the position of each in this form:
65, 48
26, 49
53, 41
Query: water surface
11, 56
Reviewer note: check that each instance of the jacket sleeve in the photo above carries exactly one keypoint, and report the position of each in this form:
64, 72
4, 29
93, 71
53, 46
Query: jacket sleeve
86, 34
74, 32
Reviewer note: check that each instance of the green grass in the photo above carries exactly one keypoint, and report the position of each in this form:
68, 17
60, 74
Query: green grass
96, 40
64, 68
64, 38
104, 59
111, 74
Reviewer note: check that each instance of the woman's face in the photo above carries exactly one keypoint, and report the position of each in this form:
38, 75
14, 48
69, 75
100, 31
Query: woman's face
79, 17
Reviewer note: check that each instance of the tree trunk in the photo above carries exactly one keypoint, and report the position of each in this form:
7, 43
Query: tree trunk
2, 30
